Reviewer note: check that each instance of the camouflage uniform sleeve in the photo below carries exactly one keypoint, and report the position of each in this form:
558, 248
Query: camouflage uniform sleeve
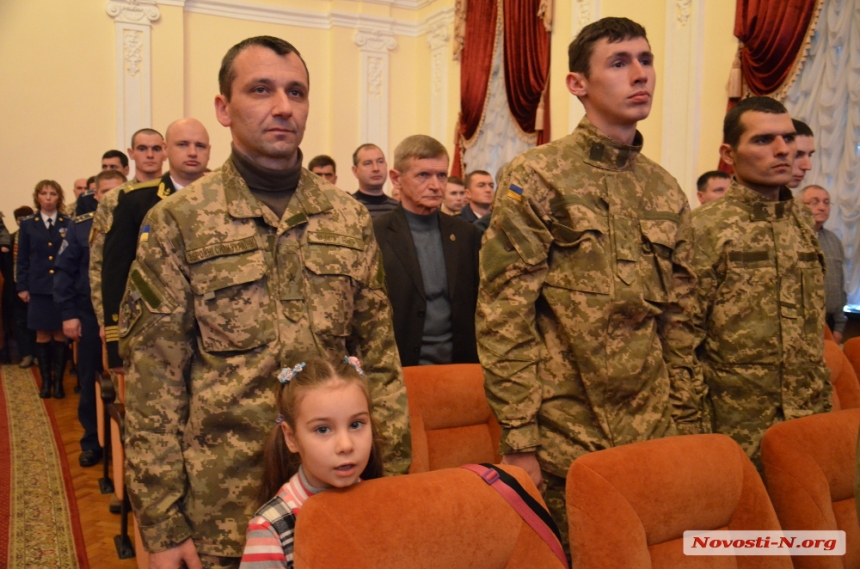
513, 267
97, 243
678, 336
373, 342
157, 334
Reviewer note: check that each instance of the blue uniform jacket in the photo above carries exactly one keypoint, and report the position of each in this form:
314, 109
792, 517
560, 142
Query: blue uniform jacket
37, 250
71, 270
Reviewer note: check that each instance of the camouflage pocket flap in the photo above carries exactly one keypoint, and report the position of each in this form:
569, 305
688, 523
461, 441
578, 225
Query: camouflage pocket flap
327, 238
807, 259
528, 246
223, 272
143, 285
334, 260
659, 232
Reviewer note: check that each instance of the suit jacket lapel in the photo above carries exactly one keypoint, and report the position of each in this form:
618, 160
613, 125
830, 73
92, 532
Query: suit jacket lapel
449, 248
400, 238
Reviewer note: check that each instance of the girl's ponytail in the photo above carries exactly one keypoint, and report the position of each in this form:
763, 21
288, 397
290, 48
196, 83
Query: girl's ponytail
279, 465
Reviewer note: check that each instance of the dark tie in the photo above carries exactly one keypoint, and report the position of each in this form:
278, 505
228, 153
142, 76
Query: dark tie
50, 223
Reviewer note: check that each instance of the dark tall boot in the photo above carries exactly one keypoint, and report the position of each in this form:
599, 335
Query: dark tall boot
43, 354
59, 368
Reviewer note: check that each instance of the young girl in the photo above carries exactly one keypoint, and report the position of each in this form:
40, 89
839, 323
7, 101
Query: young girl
324, 437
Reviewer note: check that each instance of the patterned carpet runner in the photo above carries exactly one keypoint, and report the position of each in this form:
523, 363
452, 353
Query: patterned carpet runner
39, 522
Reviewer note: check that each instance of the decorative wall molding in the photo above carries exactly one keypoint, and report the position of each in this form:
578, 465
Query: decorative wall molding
437, 40
682, 90
375, 40
406, 4
133, 25
683, 9
583, 12
240, 10
133, 11
374, 46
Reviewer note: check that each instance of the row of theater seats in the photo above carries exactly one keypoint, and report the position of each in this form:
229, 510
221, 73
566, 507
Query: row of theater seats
628, 506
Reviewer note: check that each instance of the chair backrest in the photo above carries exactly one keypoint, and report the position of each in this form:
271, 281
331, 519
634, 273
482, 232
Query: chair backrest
842, 374
629, 506
447, 518
452, 423
828, 335
809, 466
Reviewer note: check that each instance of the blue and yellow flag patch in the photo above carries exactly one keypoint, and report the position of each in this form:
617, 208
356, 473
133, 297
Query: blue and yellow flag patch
144, 234
515, 192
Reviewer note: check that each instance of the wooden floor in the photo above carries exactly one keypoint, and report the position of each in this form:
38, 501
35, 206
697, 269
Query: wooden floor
98, 524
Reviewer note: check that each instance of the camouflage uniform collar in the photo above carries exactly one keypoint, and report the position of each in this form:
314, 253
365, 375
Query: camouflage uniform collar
242, 204
603, 152
759, 207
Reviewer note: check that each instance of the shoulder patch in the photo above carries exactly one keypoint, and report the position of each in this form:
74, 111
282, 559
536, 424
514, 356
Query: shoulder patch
148, 184
85, 217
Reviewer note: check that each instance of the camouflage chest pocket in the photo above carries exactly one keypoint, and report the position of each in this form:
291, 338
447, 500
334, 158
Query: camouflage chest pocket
579, 258
231, 302
655, 262
334, 264
811, 291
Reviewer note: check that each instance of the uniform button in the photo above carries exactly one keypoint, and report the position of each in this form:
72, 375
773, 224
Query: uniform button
51, 271
50, 244
421, 314
50, 258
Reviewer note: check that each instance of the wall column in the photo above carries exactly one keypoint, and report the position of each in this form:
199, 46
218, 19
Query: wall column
437, 40
133, 20
374, 46
682, 86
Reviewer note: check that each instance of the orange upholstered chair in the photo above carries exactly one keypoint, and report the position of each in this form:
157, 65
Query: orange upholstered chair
851, 348
842, 375
809, 466
629, 506
447, 518
452, 423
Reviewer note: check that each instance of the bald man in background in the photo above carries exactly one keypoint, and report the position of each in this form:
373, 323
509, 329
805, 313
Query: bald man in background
188, 148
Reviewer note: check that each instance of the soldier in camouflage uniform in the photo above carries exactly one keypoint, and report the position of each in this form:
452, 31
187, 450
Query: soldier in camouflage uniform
586, 281
147, 151
761, 285
231, 284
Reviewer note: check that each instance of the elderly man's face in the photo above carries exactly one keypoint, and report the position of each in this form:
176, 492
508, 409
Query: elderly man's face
818, 202
268, 106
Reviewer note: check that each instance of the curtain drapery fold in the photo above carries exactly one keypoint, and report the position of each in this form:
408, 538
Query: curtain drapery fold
476, 61
527, 49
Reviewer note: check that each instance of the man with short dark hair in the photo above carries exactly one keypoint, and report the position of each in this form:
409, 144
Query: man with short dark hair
324, 166
586, 279
431, 261
371, 170
760, 310
72, 297
244, 273
712, 185
454, 198
115, 160
480, 191
805, 141
817, 199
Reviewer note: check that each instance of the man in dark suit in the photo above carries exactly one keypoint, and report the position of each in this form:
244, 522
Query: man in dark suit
431, 261
188, 149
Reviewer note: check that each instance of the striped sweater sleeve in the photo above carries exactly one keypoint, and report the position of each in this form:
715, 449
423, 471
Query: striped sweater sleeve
263, 549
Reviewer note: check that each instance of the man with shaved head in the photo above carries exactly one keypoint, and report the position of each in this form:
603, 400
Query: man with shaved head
187, 149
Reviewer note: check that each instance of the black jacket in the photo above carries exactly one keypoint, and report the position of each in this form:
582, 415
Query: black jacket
460, 244
37, 249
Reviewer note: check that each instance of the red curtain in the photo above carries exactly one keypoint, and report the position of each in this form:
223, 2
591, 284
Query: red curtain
527, 47
476, 61
772, 32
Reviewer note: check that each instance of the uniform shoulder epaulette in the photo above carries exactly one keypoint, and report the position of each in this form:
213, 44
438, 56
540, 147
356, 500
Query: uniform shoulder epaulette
88, 193
141, 185
84, 217
26, 217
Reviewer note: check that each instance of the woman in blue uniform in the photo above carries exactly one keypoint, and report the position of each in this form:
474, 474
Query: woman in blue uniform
38, 245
